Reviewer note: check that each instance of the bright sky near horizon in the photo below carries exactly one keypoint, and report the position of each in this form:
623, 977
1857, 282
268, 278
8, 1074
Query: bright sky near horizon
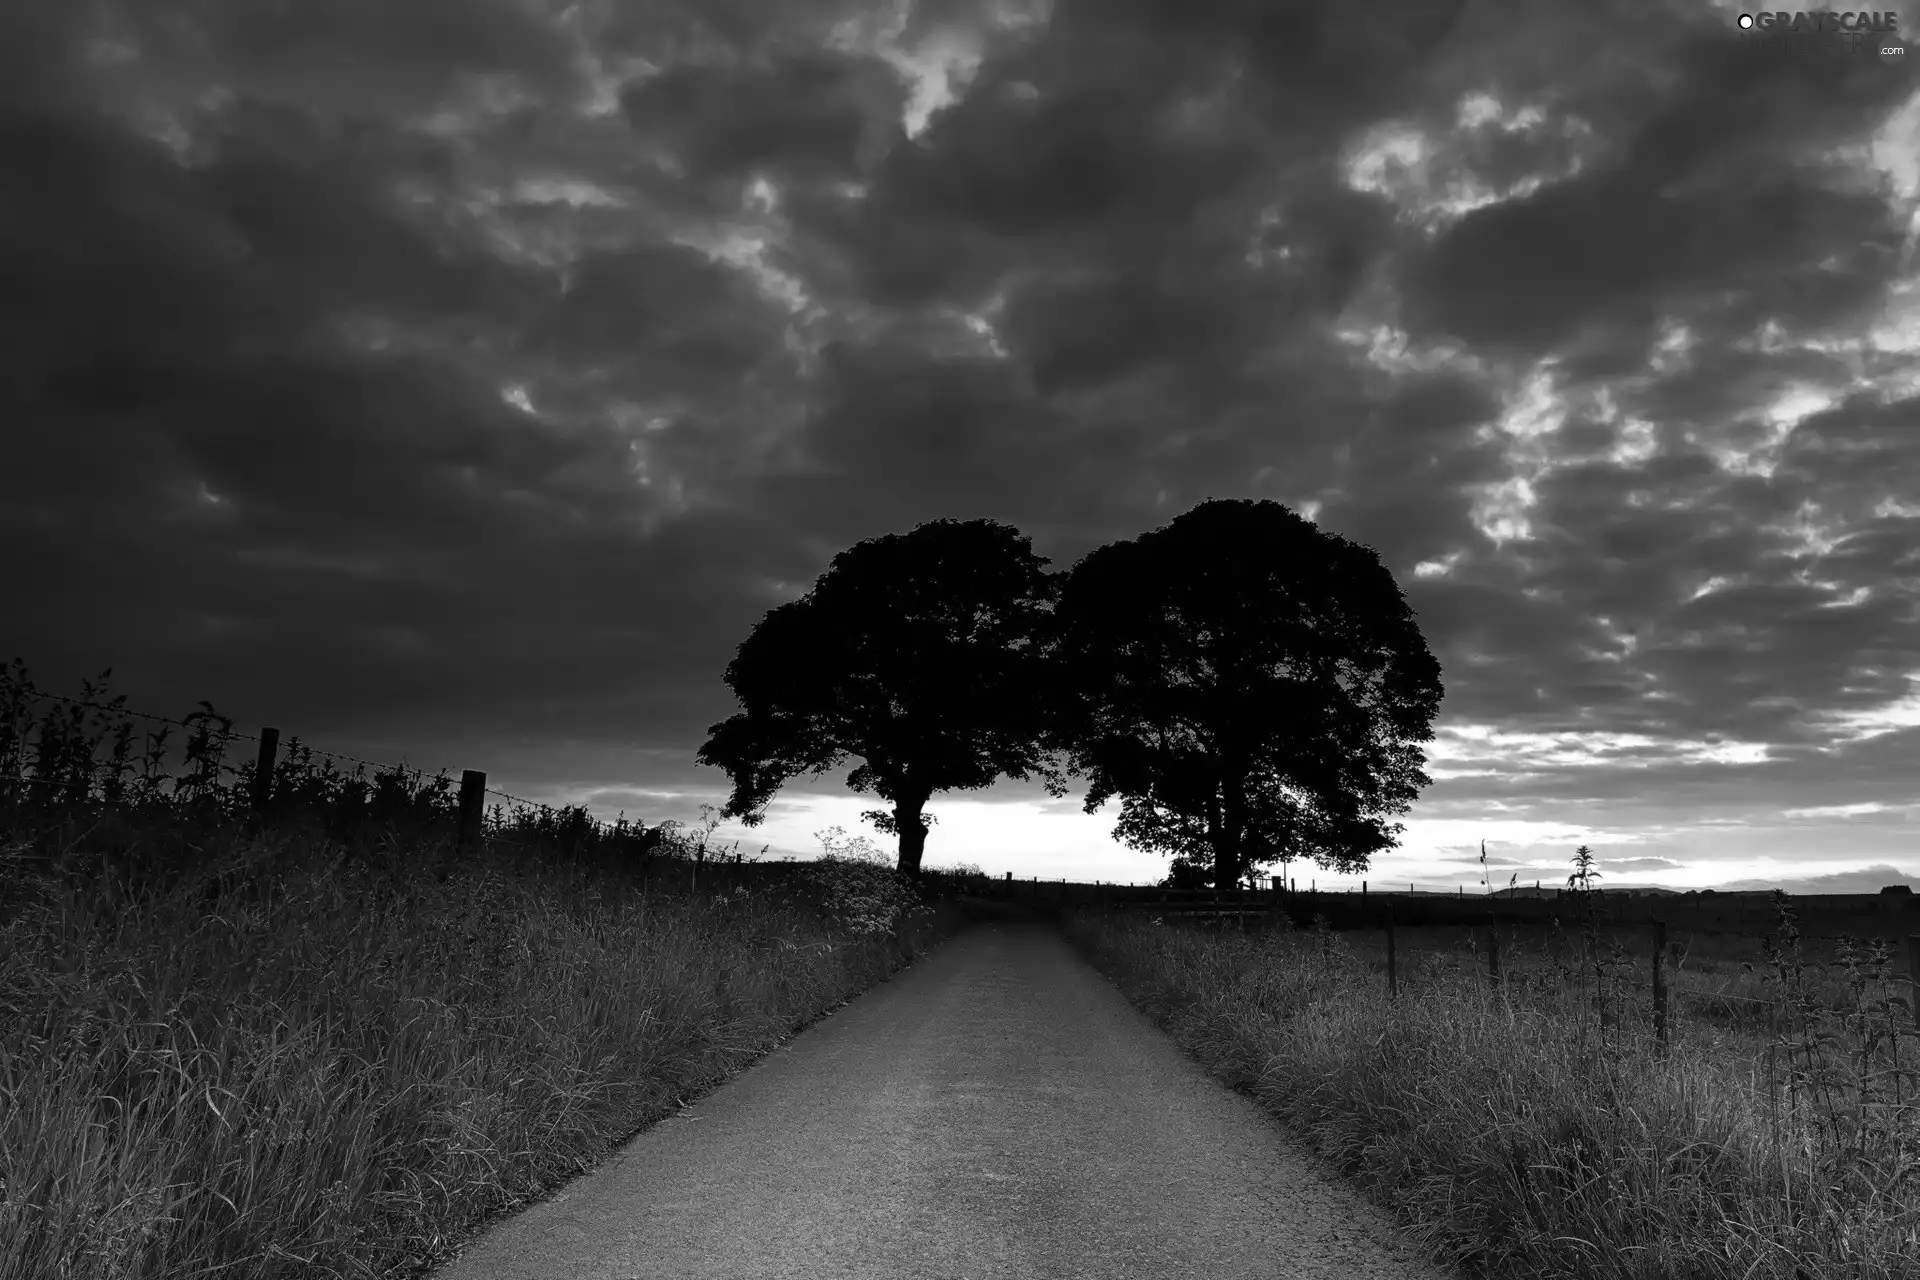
460, 381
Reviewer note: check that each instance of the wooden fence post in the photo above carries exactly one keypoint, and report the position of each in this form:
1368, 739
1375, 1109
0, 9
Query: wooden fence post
473, 791
263, 773
1393, 982
1493, 956
1660, 984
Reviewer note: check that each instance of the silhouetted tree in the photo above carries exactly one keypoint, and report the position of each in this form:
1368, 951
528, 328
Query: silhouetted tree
916, 652
1248, 684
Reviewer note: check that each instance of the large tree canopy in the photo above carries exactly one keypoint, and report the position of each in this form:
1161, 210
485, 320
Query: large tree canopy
1251, 686
915, 652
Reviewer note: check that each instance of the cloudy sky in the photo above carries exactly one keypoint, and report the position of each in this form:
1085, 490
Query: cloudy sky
458, 381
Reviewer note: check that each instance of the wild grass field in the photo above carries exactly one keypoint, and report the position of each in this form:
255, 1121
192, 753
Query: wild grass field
335, 1044
1536, 1127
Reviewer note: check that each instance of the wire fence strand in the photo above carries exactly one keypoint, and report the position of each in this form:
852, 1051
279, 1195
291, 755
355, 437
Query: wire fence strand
124, 711
230, 734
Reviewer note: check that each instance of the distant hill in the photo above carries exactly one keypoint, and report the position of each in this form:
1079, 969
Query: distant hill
1550, 891
1864, 880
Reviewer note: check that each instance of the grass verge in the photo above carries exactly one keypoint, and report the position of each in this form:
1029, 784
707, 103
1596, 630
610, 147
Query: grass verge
1520, 1131
326, 1072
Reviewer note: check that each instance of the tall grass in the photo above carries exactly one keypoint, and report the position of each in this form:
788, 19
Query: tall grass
1532, 1129
335, 1045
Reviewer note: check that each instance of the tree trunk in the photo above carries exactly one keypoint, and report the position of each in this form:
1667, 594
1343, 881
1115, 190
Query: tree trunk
913, 834
1225, 870
1217, 840
1229, 839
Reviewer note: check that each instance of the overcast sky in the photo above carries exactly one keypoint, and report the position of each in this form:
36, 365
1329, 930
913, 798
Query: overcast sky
459, 381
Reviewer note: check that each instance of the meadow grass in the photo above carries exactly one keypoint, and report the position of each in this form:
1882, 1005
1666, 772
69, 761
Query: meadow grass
1537, 1128
274, 1052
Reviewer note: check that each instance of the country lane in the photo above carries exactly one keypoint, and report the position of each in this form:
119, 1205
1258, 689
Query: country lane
997, 1110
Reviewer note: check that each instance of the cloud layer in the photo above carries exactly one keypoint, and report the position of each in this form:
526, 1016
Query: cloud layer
467, 381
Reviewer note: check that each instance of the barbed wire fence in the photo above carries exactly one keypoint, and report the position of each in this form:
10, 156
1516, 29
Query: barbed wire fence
233, 735
68, 767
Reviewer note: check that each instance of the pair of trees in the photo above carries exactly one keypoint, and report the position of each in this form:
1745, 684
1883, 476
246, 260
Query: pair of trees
1250, 686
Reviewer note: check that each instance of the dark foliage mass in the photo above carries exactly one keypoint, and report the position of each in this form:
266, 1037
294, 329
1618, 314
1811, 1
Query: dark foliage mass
914, 652
1249, 686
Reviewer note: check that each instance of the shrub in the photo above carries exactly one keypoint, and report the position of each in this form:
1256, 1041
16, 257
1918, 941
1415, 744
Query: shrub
853, 887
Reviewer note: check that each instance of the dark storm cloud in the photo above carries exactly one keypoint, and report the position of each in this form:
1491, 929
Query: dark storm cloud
960, 432
351, 57
1763, 652
1722, 209
678, 321
810, 116
1527, 275
1724, 382
1323, 67
1090, 164
337, 535
1721, 186
317, 207
1407, 470
441, 380
1852, 457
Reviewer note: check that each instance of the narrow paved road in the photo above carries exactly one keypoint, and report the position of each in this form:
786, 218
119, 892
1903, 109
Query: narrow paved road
997, 1110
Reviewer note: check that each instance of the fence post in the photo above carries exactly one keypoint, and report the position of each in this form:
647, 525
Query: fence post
1493, 956
1660, 983
473, 789
263, 773
1393, 982
1363, 895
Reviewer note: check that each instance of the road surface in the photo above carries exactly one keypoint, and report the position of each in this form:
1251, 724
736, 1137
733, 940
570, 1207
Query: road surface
998, 1110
